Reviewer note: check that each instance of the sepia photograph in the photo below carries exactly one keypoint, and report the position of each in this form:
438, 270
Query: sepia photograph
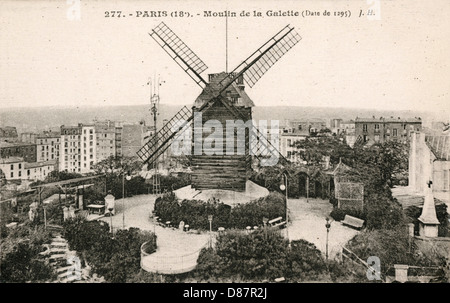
226, 148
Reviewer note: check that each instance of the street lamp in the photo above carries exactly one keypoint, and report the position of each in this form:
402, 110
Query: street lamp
265, 220
327, 225
210, 218
285, 187
128, 177
109, 204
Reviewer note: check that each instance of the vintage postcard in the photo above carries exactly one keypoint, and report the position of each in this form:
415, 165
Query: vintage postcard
230, 142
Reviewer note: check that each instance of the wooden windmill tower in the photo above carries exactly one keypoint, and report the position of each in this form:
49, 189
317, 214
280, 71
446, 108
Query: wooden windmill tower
223, 98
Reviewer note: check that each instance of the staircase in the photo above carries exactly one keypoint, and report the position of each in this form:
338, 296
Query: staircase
63, 260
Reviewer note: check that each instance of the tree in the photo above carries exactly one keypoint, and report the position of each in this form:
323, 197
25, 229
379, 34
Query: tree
118, 166
19, 256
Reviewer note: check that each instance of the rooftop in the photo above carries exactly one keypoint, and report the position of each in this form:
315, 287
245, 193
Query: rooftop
14, 144
391, 119
212, 87
39, 164
11, 160
439, 146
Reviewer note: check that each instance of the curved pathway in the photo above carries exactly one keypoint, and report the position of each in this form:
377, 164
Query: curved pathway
177, 251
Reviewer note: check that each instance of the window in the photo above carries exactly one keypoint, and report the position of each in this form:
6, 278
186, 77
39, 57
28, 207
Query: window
377, 126
365, 138
20, 173
299, 127
364, 128
12, 174
12, 166
20, 165
28, 172
289, 154
289, 142
394, 132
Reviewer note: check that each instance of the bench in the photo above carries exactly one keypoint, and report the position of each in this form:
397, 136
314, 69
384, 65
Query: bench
96, 208
353, 222
277, 222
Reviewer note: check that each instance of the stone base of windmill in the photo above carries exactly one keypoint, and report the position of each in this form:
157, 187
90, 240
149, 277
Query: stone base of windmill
252, 192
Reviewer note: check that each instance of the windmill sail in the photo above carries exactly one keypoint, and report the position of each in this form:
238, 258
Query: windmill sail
161, 140
179, 52
258, 63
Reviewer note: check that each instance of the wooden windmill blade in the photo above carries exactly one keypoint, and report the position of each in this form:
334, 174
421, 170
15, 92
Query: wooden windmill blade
180, 53
258, 63
153, 148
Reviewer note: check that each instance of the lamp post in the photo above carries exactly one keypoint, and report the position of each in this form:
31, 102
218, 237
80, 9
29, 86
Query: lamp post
285, 187
210, 218
265, 220
128, 177
327, 225
109, 204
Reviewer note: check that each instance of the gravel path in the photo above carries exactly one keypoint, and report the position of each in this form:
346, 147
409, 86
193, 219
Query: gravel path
171, 242
308, 223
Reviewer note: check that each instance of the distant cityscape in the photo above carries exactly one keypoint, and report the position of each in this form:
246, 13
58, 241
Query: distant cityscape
76, 148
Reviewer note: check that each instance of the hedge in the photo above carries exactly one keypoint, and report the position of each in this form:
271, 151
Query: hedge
195, 212
261, 255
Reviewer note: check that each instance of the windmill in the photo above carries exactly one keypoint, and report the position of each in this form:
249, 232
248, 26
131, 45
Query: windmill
223, 98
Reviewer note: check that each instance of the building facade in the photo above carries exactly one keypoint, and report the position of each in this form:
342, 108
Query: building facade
348, 131
16, 168
28, 137
429, 160
12, 167
8, 134
27, 151
47, 146
379, 130
88, 148
70, 150
132, 138
105, 134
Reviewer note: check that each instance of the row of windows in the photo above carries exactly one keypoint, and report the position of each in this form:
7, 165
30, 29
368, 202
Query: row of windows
377, 127
45, 141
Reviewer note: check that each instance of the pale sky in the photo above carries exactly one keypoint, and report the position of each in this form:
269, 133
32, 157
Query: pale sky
401, 61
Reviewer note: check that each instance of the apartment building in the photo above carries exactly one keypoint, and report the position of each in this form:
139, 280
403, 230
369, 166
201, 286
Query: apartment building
47, 146
105, 134
379, 130
27, 151
70, 149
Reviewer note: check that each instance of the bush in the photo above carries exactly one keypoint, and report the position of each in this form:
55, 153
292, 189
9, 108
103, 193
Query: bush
195, 212
19, 256
252, 213
209, 264
337, 214
305, 262
256, 256
261, 255
118, 258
